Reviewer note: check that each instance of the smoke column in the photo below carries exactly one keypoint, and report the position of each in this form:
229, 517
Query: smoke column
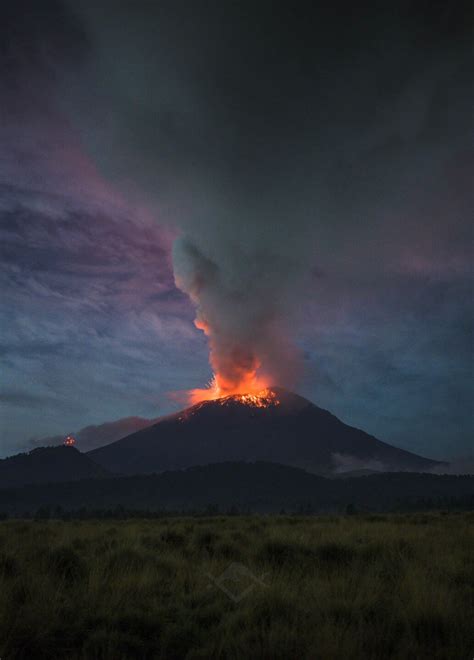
216, 146
273, 141
242, 306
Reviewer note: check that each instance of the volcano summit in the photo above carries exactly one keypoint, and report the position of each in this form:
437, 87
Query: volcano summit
274, 425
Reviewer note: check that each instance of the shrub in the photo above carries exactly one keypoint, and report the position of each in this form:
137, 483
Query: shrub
204, 539
125, 559
281, 553
65, 563
9, 566
151, 542
349, 588
173, 538
228, 551
431, 629
336, 554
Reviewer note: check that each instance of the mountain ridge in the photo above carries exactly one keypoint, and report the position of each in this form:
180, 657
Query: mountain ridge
286, 428
93, 436
48, 465
258, 487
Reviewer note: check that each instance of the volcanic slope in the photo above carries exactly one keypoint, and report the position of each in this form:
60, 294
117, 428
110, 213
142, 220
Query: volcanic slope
48, 465
276, 426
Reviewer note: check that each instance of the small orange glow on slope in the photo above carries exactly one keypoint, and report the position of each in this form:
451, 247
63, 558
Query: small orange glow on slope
69, 441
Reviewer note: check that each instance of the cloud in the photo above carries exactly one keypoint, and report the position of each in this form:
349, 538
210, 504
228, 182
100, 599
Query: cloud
25, 399
347, 463
283, 144
92, 324
95, 436
460, 465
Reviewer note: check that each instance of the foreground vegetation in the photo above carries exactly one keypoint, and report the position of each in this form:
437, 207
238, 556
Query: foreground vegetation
239, 587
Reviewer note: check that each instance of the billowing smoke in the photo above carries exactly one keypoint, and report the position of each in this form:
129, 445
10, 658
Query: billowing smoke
279, 139
206, 120
243, 307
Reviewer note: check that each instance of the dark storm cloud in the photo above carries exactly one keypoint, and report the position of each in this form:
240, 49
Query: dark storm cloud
397, 360
279, 138
89, 313
86, 260
23, 399
284, 140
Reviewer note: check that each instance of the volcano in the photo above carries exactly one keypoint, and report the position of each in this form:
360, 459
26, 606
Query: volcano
274, 425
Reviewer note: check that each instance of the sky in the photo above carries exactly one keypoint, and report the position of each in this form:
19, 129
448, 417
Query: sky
309, 166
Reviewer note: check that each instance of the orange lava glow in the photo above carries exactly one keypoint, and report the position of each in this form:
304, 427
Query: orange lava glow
262, 399
236, 376
69, 441
251, 390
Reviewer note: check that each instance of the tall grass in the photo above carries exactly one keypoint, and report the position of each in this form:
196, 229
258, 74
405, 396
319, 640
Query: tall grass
270, 587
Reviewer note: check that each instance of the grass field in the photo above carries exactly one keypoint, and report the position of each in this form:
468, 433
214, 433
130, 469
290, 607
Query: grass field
239, 587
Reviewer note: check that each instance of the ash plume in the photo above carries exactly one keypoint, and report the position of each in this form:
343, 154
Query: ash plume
268, 137
217, 145
243, 306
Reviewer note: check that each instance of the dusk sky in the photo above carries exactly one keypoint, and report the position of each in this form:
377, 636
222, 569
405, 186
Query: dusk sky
312, 168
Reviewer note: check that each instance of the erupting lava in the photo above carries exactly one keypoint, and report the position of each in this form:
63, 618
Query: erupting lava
250, 389
263, 399
234, 360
